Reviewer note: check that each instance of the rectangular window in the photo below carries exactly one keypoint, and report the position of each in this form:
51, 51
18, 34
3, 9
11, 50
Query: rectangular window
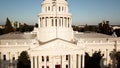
47, 58
66, 66
67, 57
47, 66
42, 58
42, 66
13, 58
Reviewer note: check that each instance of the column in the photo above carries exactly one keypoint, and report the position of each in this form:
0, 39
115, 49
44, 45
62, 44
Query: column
57, 22
37, 61
38, 22
61, 22
35, 58
71, 61
0, 59
64, 22
63, 65
46, 22
45, 64
83, 60
43, 22
49, 22
61, 61
70, 22
31, 58
53, 62
79, 61
108, 57
74, 61
54, 22
40, 62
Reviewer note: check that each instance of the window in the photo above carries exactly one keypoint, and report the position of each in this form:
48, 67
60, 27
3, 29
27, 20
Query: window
42, 58
52, 23
48, 8
13, 58
59, 22
62, 8
4, 57
59, 8
42, 66
55, 22
47, 66
47, 58
66, 66
67, 57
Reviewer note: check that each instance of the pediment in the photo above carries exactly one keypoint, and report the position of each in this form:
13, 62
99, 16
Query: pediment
57, 46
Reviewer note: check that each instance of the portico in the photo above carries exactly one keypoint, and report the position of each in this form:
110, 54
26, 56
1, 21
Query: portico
57, 54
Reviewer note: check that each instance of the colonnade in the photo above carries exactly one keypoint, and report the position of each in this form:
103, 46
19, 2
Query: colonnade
74, 61
52, 8
55, 22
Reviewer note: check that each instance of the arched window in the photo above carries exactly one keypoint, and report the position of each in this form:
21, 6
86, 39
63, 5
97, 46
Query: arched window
45, 9
49, 8
59, 9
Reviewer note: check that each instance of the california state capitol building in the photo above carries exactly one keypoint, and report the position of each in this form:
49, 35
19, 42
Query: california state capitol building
54, 44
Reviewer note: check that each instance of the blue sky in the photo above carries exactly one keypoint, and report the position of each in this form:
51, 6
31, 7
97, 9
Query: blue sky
83, 11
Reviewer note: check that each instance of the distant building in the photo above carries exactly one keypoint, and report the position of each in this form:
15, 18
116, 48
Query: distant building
2, 26
15, 24
115, 27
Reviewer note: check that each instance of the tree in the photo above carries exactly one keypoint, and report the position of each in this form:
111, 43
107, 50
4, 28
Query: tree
117, 32
23, 61
26, 28
118, 59
94, 60
8, 26
105, 28
1, 31
115, 56
36, 24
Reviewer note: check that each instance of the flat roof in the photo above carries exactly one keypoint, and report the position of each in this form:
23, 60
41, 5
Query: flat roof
17, 36
92, 35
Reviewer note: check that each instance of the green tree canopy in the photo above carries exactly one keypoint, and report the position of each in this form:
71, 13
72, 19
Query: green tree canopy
23, 61
8, 26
